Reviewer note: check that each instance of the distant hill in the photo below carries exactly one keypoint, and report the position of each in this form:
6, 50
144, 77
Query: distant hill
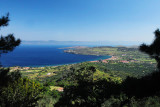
83, 43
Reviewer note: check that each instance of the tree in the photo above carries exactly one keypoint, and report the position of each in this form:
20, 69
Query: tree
9, 42
90, 89
153, 50
15, 90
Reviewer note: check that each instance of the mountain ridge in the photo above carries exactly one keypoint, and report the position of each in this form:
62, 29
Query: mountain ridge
99, 43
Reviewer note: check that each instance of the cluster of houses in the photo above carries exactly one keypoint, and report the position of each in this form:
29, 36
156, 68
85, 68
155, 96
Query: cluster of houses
113, 58
106, 60
24, 68
19, 68
124, 61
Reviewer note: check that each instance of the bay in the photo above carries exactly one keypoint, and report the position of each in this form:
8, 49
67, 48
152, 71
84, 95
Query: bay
43, 55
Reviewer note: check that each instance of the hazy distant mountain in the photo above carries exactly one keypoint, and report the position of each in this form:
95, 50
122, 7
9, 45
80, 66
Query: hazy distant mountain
99, 43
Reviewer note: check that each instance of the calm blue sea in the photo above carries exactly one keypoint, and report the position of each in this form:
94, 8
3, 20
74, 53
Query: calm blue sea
36, 56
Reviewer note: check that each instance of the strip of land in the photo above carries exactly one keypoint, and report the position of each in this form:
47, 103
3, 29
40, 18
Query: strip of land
121, 54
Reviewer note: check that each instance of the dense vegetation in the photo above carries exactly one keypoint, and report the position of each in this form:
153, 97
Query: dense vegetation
92, 83
18, 91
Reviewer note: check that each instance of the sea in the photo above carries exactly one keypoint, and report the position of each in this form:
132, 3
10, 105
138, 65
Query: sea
43, 55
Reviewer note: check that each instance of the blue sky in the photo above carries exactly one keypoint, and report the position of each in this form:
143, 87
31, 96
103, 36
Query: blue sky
82, 20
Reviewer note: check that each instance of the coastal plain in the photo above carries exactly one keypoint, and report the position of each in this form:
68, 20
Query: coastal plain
125, 61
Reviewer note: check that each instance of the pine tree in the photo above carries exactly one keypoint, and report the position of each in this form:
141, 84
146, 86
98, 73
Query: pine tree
153, 50
9, 42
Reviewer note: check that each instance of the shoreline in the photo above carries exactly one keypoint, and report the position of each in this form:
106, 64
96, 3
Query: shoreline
109, 58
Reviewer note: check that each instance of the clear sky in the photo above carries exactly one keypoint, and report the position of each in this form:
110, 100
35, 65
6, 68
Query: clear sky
82, 20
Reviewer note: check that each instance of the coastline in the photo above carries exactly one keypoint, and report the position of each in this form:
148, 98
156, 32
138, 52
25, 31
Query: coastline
41, 56
38, 66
